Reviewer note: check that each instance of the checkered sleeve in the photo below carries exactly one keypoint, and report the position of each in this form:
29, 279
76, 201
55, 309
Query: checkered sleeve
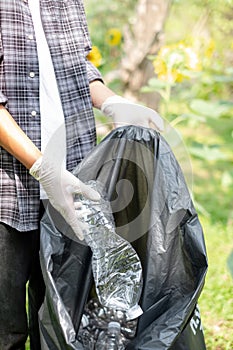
92, 72
3, 98
66, 31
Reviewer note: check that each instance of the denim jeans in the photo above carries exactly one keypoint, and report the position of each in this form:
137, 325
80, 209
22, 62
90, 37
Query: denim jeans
19, 265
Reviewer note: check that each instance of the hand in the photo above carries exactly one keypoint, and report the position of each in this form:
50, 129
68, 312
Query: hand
60, 186
125, 112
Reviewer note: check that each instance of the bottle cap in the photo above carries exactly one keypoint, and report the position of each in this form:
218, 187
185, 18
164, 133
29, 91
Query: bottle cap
114, 325
133, 312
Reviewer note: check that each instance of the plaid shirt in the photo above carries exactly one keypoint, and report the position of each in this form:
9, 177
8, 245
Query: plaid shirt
67, 35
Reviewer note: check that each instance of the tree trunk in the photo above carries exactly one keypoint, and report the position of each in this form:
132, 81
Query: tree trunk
142, 38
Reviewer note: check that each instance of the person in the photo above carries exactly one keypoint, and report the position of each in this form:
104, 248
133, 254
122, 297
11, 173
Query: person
47, 126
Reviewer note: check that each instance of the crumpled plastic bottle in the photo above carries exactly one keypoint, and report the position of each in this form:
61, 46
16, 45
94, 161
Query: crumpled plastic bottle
95, 321
116, 266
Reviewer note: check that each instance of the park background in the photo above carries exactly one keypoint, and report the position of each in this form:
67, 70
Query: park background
176, 57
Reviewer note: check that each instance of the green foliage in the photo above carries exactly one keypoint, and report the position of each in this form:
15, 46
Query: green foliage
201, 108
216, 303
195, 82
103, 16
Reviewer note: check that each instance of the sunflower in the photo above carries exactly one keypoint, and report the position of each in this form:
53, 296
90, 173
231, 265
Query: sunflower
94, 56
172, 62
113, 37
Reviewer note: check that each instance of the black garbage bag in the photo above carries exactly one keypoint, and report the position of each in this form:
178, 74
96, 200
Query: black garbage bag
153, 210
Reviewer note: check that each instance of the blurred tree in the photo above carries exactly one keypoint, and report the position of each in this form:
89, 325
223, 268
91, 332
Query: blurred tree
142, 37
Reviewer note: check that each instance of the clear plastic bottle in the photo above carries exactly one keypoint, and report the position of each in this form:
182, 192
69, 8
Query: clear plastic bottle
96, 318
110, 339
116, 266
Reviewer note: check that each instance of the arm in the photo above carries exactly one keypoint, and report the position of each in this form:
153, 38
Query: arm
59, 184
99, 93
15, 141
123, 111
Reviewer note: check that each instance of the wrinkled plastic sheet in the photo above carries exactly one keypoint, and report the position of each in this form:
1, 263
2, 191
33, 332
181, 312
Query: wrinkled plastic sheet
153, 210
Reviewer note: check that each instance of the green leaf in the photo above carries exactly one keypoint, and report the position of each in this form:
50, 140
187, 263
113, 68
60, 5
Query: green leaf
149, 89
194, 116
157, 83
209, 109
226, 103
223, 78
190, 74
209, 153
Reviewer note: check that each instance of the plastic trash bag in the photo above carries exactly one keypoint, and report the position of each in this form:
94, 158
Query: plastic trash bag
153, 210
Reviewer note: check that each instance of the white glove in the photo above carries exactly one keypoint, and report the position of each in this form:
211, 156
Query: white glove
61, 186
125, 112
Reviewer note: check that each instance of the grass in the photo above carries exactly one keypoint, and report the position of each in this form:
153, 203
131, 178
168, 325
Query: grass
212, 187
214, 194
216, 301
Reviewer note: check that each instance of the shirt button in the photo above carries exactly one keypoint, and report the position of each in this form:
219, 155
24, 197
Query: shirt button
32, 74
33, 113
30, 36
25, 0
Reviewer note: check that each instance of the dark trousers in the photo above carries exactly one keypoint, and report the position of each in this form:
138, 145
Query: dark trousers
19, 265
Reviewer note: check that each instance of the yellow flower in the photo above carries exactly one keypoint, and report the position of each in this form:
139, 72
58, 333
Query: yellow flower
113, 37
172, 62
210, 49
94, 56
159, 66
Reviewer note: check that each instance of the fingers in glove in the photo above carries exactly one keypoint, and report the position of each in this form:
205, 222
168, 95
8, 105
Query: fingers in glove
86, 190
69, 214
80, 229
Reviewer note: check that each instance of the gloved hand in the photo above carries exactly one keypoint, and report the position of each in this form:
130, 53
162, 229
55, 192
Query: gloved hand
61, 186
125, 112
